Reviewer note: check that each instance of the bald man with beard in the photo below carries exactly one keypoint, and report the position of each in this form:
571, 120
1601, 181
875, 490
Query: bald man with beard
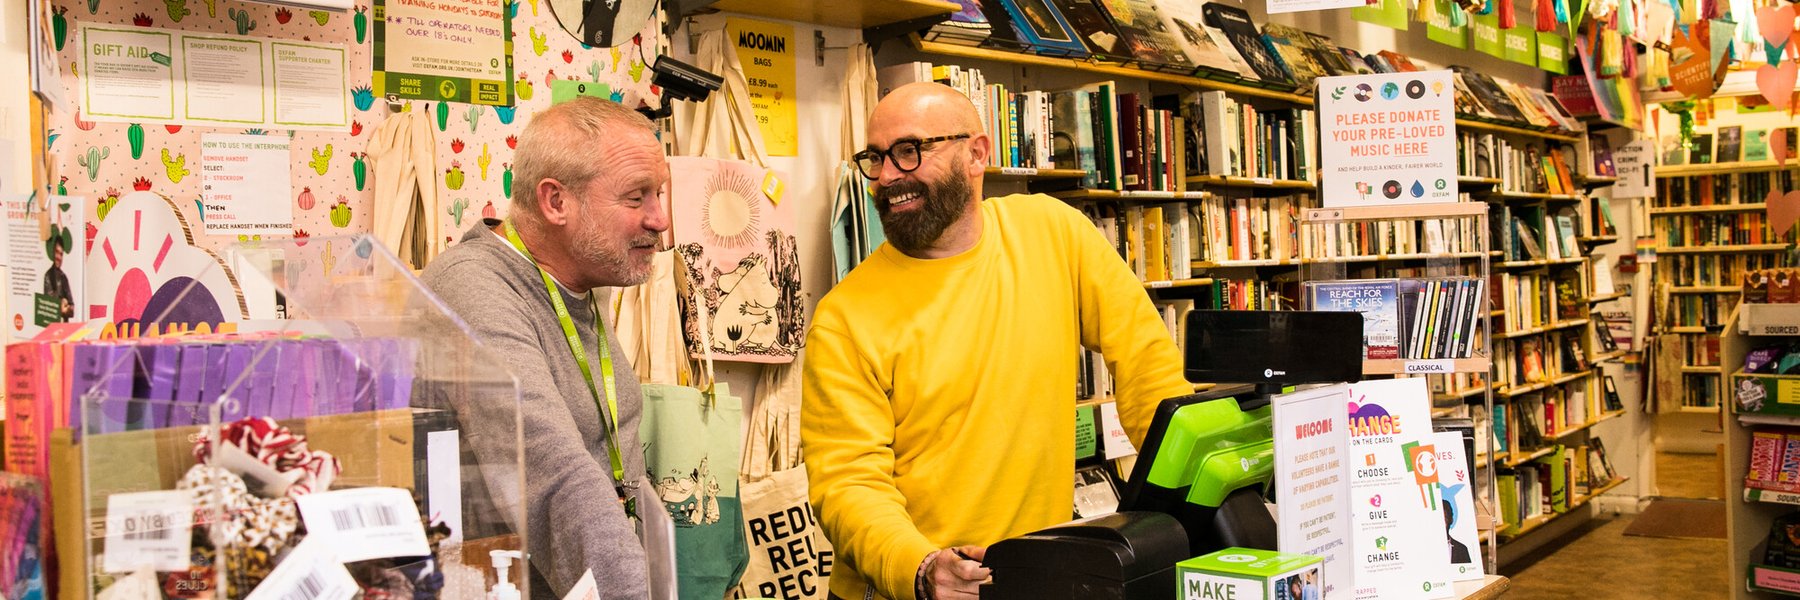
939, 397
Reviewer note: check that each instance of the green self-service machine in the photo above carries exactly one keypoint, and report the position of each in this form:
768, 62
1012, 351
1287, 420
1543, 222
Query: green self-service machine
1199, 481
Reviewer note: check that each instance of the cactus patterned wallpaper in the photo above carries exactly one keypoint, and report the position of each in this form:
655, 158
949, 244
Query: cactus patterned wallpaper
332, 184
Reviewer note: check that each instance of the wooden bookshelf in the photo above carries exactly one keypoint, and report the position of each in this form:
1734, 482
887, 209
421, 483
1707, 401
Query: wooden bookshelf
1600, 358
1672, 171
1605, 298
1511, 195
1599, 239
1401, 366
1707, 289
1233, 264
1711, 208
1462, 395
1489, 587
1686, 330
1251, 182
1524, 264
1510, 532
1091, 195
1520, 390
1574, 429
1504, 335
1390, 257
853, 15
1701, 369
1029, 173
1179, 283
1467, 123
1596, 181
1700, 410
1724, 249
1103, 67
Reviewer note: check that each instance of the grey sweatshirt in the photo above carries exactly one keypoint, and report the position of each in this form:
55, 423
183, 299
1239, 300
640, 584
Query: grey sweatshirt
574, 519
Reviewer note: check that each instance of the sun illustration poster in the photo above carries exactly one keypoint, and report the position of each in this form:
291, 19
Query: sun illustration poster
740, 261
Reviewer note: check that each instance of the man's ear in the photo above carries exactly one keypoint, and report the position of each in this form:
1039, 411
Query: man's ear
553, 201
979, 149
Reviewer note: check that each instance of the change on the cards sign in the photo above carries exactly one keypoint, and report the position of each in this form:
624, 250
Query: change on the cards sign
1388, 138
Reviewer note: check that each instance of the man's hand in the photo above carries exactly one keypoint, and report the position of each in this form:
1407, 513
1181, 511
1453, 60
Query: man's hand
954, 573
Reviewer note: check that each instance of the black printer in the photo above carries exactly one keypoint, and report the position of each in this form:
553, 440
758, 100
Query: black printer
1120, 556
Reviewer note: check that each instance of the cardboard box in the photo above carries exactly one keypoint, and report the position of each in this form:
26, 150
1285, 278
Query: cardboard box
375, 449
1247, 574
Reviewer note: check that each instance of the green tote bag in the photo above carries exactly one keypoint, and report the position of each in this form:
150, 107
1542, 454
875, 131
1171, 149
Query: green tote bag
692, 447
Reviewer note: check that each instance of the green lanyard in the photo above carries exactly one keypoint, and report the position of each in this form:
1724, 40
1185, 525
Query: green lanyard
606, 363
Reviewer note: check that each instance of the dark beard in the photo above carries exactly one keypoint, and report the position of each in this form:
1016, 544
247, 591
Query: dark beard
914, 230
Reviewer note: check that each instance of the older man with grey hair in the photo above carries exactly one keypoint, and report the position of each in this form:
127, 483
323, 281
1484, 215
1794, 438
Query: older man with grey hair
587, 213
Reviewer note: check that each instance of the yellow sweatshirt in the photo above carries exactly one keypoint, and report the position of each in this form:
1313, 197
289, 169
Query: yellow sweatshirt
939, 395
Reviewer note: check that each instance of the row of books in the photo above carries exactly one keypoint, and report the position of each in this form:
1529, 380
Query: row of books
1206, 39
1726, 145
1161, 241
1532, 300
1700, 390
1774, 460
1409, 318
1717, 190
1482, 95
1240, 229
1700, 350
1453, 235
1695, 270
1722, 229
1092, 378
1457, 384
1535, 233
1556, 410
1229, 138
1538, 358
1249, 294
1554, 483
1215, 39
1700, 310
1529, 167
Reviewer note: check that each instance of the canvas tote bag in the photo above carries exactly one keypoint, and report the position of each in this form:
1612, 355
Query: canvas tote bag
789, 556
692, 446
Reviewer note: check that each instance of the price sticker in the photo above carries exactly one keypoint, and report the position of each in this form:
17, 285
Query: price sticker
365, 523
1025, 171
148, 530
310, 572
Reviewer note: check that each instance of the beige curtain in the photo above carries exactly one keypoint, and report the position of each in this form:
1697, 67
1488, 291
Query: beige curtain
724, 126
404, 161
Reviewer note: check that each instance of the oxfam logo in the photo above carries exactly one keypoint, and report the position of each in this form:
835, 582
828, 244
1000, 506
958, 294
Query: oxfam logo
1237, 558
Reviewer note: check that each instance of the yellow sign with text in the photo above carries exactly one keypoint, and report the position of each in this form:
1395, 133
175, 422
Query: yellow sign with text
766, 53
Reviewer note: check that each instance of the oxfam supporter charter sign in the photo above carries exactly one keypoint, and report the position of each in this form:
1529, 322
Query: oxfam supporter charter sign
1387, 139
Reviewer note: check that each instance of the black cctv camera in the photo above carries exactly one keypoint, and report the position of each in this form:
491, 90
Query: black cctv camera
682, 81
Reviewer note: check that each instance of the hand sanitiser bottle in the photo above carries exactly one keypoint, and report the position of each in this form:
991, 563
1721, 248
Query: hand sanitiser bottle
504, 588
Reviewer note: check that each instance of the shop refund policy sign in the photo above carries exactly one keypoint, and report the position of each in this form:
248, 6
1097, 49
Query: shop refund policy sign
1388, 138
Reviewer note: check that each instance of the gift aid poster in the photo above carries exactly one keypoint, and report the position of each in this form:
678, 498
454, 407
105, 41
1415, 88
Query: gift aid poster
1397, 527
1387, 139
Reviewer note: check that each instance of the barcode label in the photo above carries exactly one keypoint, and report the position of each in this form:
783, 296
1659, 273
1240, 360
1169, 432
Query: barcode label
309, 588
153, 535
148, 530
313, 570
365, 516
365, 523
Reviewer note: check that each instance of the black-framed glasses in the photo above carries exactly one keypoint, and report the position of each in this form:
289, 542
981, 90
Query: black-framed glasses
904, 155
